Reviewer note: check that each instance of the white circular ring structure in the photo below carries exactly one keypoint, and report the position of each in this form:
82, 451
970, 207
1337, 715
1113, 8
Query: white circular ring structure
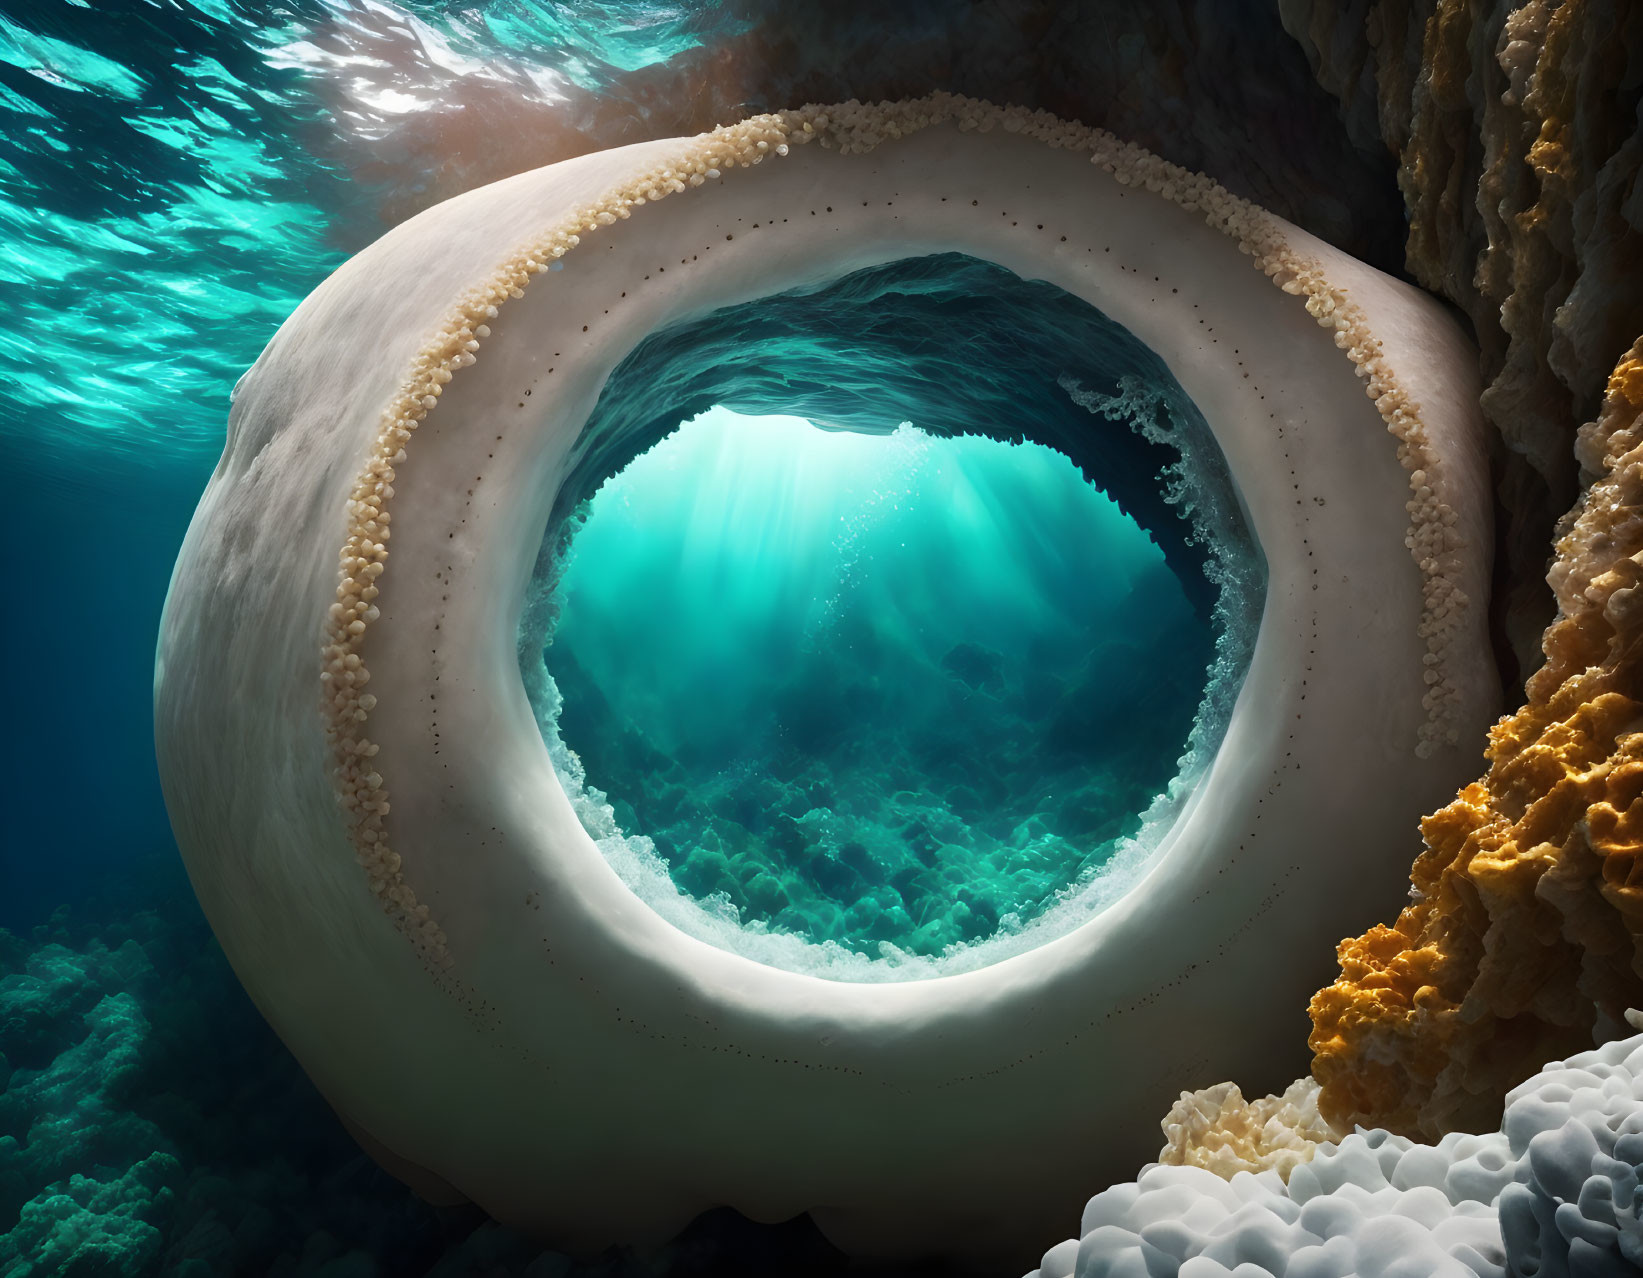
395, 872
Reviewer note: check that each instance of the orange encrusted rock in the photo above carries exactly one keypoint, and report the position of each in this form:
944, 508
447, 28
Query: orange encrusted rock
1522, 939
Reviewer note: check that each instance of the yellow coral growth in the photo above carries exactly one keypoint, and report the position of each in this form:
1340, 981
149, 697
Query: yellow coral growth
1525, 935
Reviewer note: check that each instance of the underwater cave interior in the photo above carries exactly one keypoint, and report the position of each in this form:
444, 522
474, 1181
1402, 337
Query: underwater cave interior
973, 612
884, 627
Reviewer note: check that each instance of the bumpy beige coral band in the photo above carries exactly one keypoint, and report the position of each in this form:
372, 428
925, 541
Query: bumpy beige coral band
852, 128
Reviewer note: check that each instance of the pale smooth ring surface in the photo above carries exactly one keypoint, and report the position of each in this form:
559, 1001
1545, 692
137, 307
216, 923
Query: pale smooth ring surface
573, 1063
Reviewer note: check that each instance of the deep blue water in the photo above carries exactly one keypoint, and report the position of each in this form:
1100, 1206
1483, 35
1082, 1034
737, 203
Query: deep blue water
174, 177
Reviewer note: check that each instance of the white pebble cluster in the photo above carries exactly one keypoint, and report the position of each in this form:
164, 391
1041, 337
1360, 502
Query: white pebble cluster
853, 128
1576, 1131
1555, 1193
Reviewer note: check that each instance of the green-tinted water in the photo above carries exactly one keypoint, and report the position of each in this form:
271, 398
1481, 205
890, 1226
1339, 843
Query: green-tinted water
872, 688
899, 687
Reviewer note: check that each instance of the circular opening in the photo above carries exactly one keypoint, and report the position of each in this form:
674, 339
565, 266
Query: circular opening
916, 675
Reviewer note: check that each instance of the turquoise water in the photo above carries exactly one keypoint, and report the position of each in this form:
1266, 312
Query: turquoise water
872, 688
897, 678
175, 177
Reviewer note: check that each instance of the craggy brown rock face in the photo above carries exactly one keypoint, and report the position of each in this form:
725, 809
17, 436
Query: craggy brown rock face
1212, 85
1525, 937
1515, 127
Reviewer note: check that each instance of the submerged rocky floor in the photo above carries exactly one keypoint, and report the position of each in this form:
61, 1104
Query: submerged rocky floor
152, 1124
863, 827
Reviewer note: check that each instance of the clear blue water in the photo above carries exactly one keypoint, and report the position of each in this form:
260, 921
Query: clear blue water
175, 175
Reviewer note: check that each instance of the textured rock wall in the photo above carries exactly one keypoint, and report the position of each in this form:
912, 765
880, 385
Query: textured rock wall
1213, 85
1524, 936
1516, 131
